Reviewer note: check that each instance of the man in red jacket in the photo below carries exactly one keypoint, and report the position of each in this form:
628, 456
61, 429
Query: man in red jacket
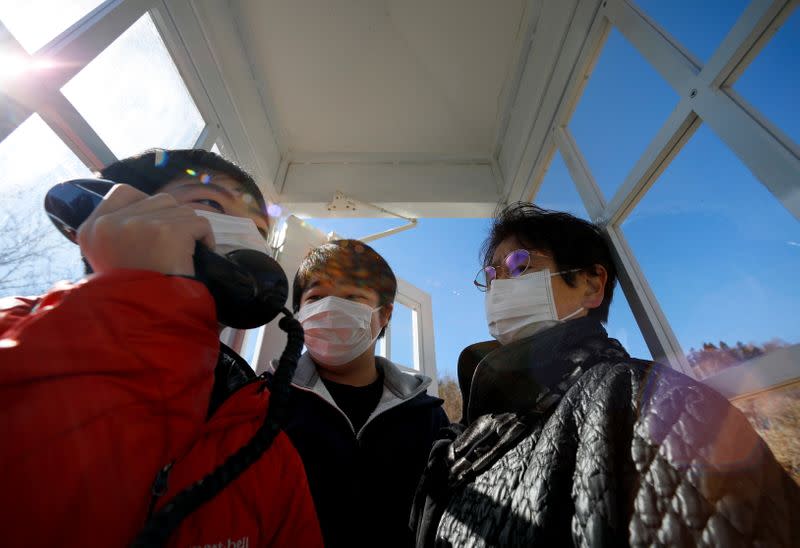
107, 381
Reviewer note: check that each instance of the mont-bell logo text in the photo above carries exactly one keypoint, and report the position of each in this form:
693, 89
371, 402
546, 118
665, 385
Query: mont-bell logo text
241, 543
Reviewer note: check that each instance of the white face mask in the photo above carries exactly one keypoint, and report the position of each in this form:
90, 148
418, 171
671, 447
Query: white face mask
337, 330
232, 232
523, 306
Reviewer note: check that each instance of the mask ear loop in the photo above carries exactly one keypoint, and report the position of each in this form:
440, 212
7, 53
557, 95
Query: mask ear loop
580, 309
571, 315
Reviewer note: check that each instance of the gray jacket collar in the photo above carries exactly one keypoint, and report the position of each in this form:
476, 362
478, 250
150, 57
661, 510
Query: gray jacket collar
398, 386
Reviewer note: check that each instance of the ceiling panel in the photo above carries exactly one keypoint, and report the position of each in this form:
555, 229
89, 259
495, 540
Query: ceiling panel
400, 76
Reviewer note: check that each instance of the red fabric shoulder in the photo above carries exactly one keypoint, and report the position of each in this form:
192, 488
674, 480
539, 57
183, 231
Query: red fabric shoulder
270, 504
102, 382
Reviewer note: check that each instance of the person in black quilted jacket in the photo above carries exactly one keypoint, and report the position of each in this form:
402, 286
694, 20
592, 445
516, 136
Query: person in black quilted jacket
567, 440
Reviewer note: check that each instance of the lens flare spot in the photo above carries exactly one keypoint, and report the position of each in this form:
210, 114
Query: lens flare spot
274, 210
191, 172
8, 343
248, 198
162, 156
205, 178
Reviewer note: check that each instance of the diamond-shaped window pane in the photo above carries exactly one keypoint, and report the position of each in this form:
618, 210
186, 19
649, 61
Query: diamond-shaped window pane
35, 22
721, 254
772, 82
33, 254
624, 105
558, 192
623, 327
700, 27
134, 96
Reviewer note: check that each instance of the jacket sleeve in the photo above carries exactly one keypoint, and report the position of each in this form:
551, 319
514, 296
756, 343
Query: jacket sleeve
101, 383
299, 525
705, 473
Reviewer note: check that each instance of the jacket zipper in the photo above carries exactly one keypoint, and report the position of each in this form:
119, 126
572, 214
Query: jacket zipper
160, 484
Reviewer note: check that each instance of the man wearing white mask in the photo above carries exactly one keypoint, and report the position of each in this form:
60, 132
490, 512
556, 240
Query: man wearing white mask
567, 440
363, 427
119, 400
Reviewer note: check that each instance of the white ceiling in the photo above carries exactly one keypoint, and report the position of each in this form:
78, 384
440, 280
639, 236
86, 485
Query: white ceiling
424, 107
383, 76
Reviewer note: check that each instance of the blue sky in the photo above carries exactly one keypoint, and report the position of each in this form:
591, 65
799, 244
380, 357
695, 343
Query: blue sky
720, 252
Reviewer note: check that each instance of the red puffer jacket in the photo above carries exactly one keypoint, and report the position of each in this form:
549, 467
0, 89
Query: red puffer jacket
104, 382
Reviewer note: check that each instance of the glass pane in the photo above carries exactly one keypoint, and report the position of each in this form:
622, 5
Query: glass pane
721, 254
402, 344
625, 103
250, 344
775, 415
623, 327
772, 82
33, 254
558, 192
143, 106
698, 26
35, 22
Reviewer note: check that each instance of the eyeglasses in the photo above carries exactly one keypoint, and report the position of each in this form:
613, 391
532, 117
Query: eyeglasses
514, 265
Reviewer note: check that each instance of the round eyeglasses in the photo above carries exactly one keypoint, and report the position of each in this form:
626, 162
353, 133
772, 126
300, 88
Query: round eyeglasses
514, 265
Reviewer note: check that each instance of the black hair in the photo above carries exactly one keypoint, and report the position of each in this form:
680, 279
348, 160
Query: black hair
572, 242
349, 260
153, 169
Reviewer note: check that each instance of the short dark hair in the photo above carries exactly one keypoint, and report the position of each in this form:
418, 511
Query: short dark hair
155, 168
572, 242
351, 261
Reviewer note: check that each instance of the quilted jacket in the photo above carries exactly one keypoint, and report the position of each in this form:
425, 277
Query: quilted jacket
569, 441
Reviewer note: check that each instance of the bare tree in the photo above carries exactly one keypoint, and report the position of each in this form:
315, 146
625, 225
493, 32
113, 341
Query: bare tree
33, 255
451, 394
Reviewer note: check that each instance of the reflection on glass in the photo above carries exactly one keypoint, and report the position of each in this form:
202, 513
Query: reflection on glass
775, 414
558, 192
772, 82
624, 105
402, 343
33, 254
698, 26
35, 22
133, 95
721, 254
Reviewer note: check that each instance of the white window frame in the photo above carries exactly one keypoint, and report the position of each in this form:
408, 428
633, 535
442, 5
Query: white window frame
706, 97
423, 349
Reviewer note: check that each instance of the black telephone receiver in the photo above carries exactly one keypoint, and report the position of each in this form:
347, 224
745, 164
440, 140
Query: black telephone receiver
249, 287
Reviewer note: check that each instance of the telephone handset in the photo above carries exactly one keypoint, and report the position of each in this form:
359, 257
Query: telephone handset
249, 287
